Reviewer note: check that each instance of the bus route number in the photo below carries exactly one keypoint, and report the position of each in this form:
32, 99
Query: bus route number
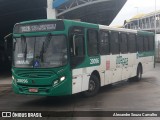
94, 61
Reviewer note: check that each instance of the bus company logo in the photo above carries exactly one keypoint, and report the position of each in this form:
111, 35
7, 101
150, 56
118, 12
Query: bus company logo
121, 60
6, 114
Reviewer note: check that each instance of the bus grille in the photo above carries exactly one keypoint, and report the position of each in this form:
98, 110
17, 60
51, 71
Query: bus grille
34, 74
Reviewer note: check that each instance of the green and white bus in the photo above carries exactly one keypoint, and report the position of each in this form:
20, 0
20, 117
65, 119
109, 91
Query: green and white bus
64, 57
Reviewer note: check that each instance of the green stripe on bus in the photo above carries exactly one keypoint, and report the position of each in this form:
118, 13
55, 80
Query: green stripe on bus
145, 54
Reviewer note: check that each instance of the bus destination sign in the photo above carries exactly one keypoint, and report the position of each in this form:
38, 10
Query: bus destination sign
39, 27
34, 28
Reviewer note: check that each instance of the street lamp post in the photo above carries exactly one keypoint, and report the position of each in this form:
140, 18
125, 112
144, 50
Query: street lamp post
138, 27
137, 9
157, 42
155, 17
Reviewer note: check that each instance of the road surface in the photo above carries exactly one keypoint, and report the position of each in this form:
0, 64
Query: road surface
124, 96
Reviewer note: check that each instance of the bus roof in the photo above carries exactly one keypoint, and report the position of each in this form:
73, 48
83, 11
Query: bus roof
140, 32
65, 20
117, 29
85, 24
38, 20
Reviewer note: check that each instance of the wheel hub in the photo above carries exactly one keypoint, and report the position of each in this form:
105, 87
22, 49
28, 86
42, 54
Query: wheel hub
91, 85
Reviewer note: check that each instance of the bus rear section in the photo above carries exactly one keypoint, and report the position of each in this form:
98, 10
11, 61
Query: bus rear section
125, 54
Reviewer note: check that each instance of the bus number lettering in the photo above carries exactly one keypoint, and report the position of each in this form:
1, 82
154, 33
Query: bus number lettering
94, 61
22, 81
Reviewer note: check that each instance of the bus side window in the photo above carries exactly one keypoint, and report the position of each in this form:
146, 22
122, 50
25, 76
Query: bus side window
132, 43
104, 47
146, 46
92, 42
114, 38
140, 43
123, 43
151, 43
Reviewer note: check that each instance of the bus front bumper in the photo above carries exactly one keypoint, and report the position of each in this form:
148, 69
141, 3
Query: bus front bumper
59, 90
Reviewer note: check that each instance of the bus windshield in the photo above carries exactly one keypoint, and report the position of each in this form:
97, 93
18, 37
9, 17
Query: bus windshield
40, 52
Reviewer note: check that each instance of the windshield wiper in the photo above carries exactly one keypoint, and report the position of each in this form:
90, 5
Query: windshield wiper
42, 52
47, 41
24, 48
25, 52
45, 46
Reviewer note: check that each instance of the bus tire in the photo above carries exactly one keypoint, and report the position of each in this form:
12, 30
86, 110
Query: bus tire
139, 73
93, 87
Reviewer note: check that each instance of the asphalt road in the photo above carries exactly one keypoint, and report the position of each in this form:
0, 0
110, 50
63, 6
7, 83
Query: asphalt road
124, 96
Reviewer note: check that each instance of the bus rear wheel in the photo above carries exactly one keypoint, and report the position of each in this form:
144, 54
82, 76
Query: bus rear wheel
139, 73
93, 87
138, 76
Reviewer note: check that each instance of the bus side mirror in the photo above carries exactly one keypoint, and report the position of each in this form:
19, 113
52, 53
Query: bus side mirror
6, 40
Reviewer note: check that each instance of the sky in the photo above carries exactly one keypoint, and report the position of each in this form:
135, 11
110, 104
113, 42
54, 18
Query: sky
132, 7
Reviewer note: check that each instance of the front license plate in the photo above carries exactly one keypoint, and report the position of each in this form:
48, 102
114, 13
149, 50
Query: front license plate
33, 90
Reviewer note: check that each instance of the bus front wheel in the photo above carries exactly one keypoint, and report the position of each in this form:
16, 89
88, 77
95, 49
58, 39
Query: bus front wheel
93, 87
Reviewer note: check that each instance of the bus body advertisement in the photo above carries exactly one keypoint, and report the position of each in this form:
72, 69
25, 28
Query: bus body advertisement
64, 57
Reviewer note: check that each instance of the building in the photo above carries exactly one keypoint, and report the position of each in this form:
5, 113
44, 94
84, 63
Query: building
93, 11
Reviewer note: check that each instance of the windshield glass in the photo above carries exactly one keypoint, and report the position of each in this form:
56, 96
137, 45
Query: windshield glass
40, 52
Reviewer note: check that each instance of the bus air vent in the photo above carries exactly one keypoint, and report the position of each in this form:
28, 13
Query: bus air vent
34, 74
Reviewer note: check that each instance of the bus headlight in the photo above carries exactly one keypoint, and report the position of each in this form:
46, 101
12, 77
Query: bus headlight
62, 78
14, 80
58, 81
55, 82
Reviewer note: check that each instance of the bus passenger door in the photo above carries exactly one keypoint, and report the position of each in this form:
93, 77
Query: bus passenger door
77, 55
104, 50
115, 66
